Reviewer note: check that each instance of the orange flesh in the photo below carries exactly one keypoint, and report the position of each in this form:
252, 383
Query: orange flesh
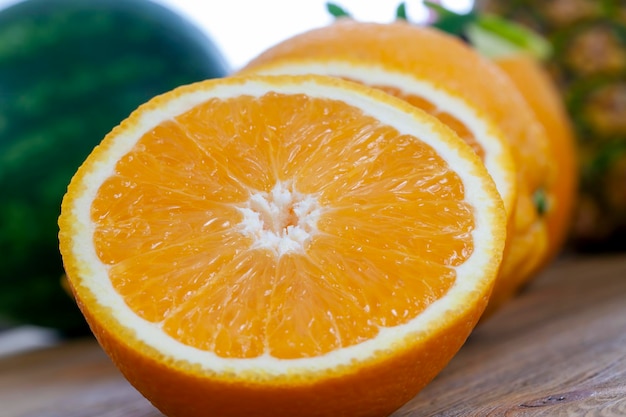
452, 122
168, 223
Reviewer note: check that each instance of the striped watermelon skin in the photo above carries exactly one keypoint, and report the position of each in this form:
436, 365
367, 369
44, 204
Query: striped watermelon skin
70, 70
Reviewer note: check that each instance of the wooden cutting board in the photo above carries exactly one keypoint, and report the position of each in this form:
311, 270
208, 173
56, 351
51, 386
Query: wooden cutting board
559, 349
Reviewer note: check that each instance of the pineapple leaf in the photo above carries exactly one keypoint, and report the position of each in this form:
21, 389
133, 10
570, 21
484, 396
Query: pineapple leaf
491, 35
506, 38
336, 10
401, 12
449, 21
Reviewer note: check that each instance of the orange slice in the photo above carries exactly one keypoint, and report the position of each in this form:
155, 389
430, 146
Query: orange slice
278, 245
439, 74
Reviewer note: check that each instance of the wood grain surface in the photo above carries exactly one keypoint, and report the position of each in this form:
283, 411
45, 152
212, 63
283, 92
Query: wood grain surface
559, 349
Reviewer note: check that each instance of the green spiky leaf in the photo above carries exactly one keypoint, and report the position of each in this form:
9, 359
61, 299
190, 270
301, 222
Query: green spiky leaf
401, 12
449, 21
491, 35
336, 10
495, 37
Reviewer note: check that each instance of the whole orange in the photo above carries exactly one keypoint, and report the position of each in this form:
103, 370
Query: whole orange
539, 90
555, 201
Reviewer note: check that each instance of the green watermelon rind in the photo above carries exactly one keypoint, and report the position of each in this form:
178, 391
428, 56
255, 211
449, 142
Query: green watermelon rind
70, 70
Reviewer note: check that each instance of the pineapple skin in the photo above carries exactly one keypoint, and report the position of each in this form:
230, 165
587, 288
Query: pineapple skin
588, 66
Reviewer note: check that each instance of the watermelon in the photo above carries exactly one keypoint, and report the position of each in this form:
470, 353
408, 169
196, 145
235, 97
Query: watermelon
70, 70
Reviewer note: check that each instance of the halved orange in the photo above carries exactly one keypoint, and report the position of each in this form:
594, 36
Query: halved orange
440, 74
278, 245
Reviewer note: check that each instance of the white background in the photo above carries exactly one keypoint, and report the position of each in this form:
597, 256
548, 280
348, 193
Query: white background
244, 28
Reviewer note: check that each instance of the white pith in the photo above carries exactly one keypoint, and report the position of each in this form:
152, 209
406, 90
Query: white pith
282, 220
469, 280
486, 134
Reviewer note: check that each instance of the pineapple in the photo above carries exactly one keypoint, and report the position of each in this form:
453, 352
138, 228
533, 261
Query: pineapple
588, 64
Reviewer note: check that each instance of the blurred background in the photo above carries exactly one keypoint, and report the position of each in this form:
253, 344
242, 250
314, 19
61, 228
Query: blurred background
268, 22
243, 28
